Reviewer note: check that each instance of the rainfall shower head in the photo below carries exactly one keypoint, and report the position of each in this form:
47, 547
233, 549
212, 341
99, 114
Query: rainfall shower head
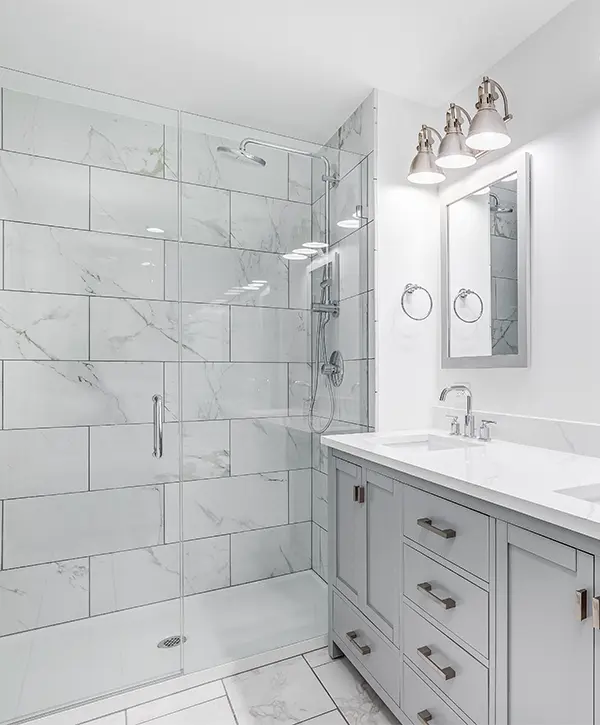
241, 155
495, 207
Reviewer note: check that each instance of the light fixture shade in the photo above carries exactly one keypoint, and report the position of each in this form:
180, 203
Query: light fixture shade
423, 169
488, 131
454, 152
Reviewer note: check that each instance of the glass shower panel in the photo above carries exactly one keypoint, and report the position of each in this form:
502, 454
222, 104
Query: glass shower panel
90, 343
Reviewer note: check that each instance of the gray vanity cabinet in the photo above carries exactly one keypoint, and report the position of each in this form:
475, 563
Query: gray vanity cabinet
545, 634
345, 512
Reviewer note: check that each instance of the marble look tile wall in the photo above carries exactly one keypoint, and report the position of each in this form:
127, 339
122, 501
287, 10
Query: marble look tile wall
114, 271
350, 151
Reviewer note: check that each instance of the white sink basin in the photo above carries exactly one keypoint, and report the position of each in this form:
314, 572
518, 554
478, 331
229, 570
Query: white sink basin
429, 442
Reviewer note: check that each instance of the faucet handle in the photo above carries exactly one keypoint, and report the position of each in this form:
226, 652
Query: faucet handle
484, 430
454, 425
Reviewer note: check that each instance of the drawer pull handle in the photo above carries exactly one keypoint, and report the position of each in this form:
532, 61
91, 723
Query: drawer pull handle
358, 495
596, 612
447, 603
447, 673
364, 649
424, 717
428, 526
582, 604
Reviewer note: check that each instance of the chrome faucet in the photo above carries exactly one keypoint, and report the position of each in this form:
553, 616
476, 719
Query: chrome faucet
469, 417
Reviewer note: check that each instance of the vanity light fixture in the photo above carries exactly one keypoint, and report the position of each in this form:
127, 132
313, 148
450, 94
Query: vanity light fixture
487, 132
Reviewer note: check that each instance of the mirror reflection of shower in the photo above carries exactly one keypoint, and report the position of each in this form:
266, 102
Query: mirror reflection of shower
331, 368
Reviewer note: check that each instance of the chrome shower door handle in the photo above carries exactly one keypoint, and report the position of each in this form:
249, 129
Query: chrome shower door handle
157, 401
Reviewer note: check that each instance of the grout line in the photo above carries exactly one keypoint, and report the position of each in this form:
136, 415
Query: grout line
230, 705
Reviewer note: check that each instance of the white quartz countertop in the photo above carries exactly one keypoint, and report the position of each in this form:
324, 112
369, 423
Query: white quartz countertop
559, 488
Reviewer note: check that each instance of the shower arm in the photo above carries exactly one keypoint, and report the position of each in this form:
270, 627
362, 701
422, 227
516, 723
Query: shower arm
328, 178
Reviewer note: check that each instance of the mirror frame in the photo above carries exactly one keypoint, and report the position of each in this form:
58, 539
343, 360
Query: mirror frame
482, 177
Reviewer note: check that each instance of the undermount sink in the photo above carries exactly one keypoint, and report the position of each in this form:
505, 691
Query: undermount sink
429, 442
589, 493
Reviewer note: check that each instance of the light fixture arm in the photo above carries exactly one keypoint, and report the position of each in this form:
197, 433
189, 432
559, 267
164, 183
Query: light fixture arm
425, 129
464, 112
489, 85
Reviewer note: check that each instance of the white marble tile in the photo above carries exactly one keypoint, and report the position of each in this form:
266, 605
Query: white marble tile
205, 215
504, 224
42, 327
265, 335
50, 394
60, 463
504, 257
206, 450
203, 164
330, 718
44, 259
320, 561
300, 495
272, 552
269, 444
349, 332
121, 456
354, 697
87, 658
229, 505
130, 204
214, 712
337, 427
234, 390
319, 499
351, 397
349, 194
318, 657
371, 322
286, 692
42, 191
136, 330
353, 264
209, 272
206, 564
300, 378
39, 596
293, 609
117, 718
357, 133
504, 299
268, 225
52, 528
300, 178
35, 125
505, 337
132, 578
300, 284
206, 332
180, 701
318, 220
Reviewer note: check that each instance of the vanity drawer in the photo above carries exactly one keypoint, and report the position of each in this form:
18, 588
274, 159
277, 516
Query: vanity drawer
461, 677
453, 601
420, 702
454, 532
378, 656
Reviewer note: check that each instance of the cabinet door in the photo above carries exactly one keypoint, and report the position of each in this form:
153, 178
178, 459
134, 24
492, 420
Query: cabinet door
545, 638
380, 566
345, 496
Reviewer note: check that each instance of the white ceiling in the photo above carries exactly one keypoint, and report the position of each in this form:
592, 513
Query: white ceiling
294, 69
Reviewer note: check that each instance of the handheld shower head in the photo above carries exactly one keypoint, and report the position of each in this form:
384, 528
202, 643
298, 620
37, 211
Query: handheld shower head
241, 155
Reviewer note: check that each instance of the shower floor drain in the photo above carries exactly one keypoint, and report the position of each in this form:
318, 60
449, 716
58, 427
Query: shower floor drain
169, 642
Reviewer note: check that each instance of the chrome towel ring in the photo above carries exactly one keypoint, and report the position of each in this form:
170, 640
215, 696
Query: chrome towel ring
409, 290
462, 295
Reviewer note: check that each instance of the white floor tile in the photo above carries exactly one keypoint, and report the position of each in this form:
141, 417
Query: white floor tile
174, 703
318, 657
286, 692
216, 712
353, 696
118, 718
331, 718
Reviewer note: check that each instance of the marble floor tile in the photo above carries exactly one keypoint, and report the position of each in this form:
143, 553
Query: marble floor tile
330, 718
354, 697
318, 657
286, 692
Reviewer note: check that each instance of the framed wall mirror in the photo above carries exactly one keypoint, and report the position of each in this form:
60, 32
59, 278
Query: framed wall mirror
485, 267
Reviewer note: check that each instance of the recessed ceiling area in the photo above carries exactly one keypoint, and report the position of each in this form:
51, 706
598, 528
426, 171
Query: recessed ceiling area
296, 70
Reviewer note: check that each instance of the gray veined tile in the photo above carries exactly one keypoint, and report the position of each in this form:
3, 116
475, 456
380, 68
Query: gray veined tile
357, 133
208, 273
319, 552
130, 204
43, 327
45, 259
504, 257
353, 263
300, 495
206, 564
53, 528
43, 191
206, 332
60, 463
45, 127
351, 398
300, 178
318, 657
300, 380
206, 449
214, 391
349, 331
265, 335
354, 697
348, 198
268, 225
504, 299
39, 596
205, 215
286, 692
49, 394
319, 499
230, 505
269, 444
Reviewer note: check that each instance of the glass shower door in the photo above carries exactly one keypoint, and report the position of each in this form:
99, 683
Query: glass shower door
90, 348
